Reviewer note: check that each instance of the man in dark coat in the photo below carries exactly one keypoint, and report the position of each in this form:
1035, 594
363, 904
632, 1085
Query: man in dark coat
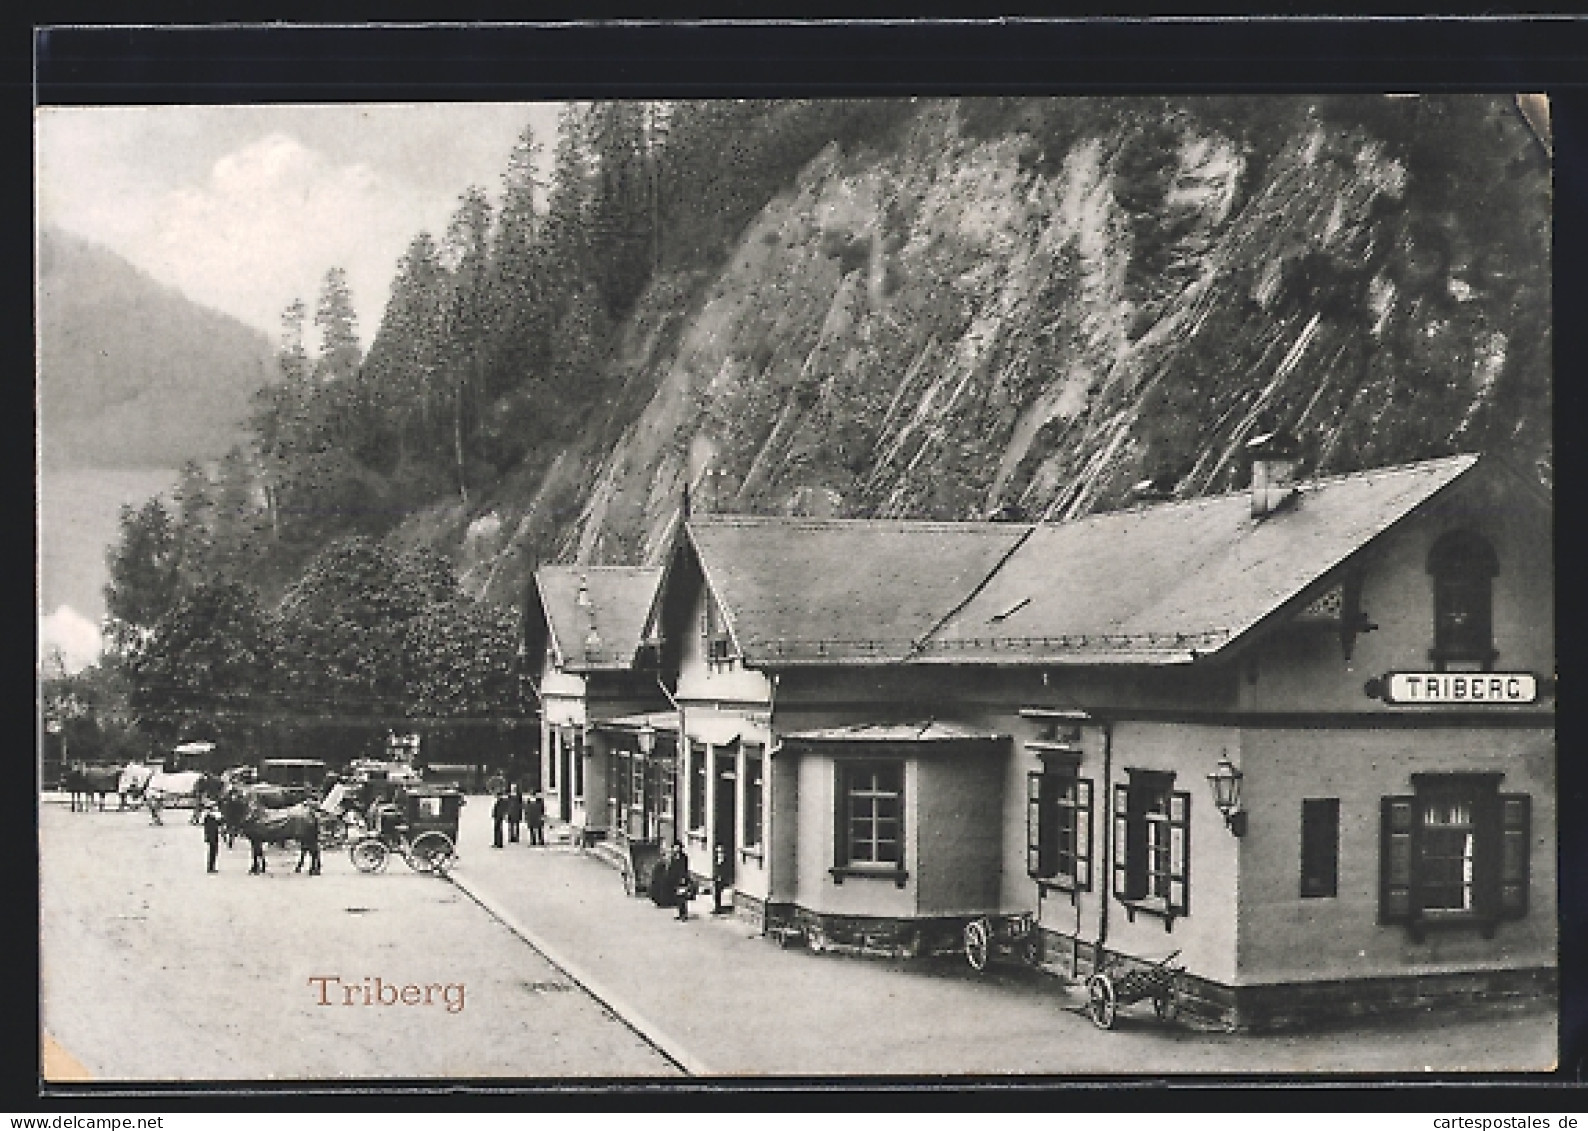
212, 834
677, 882
535, 814
515, 812
498, 815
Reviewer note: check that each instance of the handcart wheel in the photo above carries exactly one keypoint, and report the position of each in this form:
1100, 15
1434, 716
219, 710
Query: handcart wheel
1101, 1003
977, 943
431, 852
370, 854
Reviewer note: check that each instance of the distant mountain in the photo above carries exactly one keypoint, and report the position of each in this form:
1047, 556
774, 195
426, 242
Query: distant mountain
132, 374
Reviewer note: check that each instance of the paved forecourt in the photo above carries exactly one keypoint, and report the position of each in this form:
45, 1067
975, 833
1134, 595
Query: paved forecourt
723, 1000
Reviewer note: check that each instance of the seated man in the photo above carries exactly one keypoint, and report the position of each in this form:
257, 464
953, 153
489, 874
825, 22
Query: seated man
671, 882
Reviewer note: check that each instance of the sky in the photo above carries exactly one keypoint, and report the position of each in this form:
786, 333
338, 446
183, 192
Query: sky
245, 208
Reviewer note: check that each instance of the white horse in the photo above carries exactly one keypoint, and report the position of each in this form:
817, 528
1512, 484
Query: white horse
133, 782
174, 789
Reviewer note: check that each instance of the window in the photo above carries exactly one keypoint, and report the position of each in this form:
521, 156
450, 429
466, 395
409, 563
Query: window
697, 786
1463, 566
753, 801
714, 631
1320, 847
1152, 834
1456, 851
1059, 828
870, 824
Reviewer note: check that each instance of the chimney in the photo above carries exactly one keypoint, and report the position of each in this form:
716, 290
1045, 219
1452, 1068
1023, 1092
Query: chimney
1274, 458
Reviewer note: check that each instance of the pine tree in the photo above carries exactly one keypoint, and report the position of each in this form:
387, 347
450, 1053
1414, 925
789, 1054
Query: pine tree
620, 216
337, 323
522, 294
400, 375
466, 255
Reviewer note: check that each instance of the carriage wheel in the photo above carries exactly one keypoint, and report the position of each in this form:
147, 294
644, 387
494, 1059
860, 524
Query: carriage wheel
978, 939
1101, 1003
431, 852
370, 855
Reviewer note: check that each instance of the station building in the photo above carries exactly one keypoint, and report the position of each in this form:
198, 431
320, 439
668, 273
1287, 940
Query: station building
584, 623
1302, 734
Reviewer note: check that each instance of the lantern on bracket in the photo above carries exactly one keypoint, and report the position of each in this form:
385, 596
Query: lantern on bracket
1226, 784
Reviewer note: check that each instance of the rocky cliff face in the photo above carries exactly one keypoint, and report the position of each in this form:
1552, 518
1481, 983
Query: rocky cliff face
976, 320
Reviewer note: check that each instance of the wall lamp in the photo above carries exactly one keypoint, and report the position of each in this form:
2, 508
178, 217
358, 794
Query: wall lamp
647, 739
1226, 783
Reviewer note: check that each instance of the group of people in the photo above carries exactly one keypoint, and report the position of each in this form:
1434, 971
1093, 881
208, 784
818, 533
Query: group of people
514, 810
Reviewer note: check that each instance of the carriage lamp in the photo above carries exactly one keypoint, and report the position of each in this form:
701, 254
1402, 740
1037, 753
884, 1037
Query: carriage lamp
1226, 783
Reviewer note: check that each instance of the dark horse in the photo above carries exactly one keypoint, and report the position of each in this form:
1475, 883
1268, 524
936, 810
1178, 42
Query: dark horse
264, 796
245, 816
84, 782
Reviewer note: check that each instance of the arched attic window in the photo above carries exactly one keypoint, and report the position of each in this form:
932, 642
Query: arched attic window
1463, 566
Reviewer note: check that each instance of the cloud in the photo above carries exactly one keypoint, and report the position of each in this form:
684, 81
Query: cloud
74, 635
245, 208
268, 222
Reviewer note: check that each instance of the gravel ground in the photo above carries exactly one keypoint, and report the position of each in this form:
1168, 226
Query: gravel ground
154, 970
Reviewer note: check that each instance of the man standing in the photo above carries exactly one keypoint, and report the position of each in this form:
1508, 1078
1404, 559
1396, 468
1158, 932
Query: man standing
515, 812
535, 814
498, 815
680, 885
155, 800
212, 834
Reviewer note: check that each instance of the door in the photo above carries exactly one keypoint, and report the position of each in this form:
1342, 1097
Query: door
725, 811
565, 754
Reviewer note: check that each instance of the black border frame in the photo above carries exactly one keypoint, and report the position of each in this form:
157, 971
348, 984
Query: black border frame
187, 54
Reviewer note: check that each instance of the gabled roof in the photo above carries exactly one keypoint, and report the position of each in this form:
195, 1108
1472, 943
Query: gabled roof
1170, 582
841, 591
868, 734
618, 599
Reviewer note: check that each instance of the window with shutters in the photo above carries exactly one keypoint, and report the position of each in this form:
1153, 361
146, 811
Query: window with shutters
1454, 852
1152, 845
1059, 828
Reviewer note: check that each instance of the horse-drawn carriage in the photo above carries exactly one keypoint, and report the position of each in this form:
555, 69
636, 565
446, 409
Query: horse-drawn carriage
420, 824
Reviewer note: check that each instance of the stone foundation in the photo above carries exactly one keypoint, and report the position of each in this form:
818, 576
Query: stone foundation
1313, 1005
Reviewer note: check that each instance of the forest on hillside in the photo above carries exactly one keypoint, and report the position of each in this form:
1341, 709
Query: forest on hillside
940, 308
